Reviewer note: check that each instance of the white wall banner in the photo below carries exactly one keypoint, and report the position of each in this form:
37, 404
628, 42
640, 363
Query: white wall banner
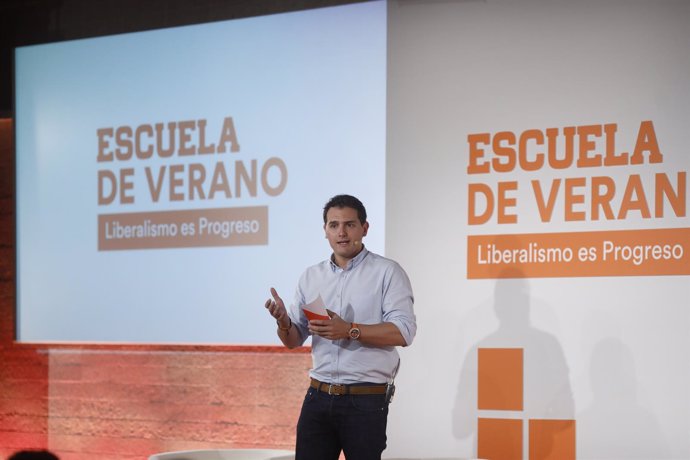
538, 194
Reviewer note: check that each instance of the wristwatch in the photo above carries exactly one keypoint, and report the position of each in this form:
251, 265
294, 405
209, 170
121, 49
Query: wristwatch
355, 332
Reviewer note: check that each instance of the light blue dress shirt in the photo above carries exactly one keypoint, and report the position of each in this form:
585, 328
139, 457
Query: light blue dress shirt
372, 289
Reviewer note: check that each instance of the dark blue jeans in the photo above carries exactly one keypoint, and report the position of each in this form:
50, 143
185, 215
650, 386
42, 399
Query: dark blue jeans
355, 424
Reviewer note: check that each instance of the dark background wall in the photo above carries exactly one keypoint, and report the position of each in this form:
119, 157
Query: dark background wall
28, 22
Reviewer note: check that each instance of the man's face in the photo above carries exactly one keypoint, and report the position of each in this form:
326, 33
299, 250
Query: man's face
344, 233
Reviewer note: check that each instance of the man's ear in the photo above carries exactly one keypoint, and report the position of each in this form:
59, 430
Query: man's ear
366, 228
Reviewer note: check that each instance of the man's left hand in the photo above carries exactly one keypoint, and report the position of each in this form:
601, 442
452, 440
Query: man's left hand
331, 329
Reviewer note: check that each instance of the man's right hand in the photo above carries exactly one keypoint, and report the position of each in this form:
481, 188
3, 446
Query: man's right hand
276, 308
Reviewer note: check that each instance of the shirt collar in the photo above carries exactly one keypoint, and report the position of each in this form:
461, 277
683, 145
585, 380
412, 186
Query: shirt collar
352, 263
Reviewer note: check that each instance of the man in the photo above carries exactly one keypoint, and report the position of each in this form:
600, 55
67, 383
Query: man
369, 302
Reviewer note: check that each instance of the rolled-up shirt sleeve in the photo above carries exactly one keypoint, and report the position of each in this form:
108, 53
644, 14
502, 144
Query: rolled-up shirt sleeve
398, 302
296, 314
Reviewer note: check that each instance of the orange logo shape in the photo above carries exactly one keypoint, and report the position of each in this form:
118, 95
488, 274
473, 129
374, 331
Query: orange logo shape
500, 388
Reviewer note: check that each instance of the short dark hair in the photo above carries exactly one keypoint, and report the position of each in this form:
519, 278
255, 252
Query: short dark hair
34, 455
346, 201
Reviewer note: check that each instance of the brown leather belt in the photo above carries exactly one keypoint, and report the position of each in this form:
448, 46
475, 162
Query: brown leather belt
338, 390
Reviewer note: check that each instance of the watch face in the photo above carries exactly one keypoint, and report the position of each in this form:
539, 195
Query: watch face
354, 333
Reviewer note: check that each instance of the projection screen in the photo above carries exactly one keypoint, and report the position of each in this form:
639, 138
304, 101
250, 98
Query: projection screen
167, 179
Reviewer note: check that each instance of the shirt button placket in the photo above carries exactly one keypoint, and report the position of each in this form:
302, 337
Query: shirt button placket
338, 310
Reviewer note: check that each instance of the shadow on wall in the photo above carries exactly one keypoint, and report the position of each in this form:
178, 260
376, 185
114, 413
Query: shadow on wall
615, 425
546, 389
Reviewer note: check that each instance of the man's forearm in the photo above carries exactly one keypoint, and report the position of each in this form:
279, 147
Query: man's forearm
290, 337
381, 335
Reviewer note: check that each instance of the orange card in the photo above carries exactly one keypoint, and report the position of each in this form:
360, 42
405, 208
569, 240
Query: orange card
315, 310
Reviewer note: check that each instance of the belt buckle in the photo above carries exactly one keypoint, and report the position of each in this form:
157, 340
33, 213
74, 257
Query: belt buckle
332, 390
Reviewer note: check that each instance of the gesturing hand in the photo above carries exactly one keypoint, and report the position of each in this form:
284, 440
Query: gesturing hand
276, 308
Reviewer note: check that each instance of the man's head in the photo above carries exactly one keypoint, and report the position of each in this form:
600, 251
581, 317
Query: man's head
345, 224
346, 201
